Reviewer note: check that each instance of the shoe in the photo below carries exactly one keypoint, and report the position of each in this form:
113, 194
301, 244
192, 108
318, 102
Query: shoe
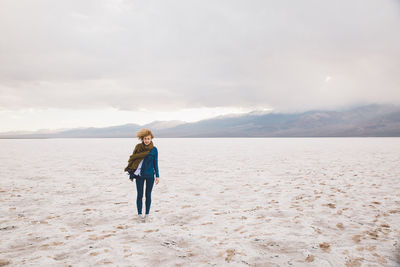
139, 218
147, 218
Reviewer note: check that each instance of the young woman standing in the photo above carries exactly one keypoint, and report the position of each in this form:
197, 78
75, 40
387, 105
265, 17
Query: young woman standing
142, 165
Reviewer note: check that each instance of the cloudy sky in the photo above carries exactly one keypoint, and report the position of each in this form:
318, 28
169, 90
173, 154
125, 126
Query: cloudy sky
108, 62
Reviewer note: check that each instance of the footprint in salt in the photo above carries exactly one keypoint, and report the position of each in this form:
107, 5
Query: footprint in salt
229, 254
371, 247
372, 234
94, 253
211, 238
239, 228
94, 237
360, 248
122, 227
325, 246
340, 226
356, 238
330, 205
4, 262
60, 257
379, 258
104, 261
50, 245
354, 262
151, 230
310, 258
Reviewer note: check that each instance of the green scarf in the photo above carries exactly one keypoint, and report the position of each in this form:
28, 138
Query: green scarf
139, 153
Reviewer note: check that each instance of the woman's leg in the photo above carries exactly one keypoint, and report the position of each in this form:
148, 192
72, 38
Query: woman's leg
139, 188
149, 187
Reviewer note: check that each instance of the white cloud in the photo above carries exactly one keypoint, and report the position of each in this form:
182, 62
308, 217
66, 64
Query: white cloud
172, 55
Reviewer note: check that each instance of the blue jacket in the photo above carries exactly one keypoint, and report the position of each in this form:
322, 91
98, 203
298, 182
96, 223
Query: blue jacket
150, 164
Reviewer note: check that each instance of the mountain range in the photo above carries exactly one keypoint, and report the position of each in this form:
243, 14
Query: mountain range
361, 121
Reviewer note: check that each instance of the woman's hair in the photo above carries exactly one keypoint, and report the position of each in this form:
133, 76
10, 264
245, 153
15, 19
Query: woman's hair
144, 132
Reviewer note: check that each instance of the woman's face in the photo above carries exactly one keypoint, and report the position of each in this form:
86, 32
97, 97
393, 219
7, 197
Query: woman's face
147, 139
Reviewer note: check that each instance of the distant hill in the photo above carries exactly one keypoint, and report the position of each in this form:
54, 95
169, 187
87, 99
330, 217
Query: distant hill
362, 121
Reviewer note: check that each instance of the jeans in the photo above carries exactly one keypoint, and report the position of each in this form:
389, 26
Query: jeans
139, 186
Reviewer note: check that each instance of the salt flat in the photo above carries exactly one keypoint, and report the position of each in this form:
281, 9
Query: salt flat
220, 202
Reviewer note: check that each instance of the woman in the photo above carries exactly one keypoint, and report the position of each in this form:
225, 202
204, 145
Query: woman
142, 165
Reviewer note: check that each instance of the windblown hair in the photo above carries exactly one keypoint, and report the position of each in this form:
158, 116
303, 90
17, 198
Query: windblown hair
144, 132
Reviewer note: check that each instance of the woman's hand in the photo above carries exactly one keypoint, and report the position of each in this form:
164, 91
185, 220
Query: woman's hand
157, 180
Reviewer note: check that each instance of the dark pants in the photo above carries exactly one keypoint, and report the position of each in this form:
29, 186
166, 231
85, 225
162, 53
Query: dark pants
139, 186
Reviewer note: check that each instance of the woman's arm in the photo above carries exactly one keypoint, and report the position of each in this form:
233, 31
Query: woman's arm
156, 164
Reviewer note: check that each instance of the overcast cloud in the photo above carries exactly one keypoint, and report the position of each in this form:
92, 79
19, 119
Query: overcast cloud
168, 55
